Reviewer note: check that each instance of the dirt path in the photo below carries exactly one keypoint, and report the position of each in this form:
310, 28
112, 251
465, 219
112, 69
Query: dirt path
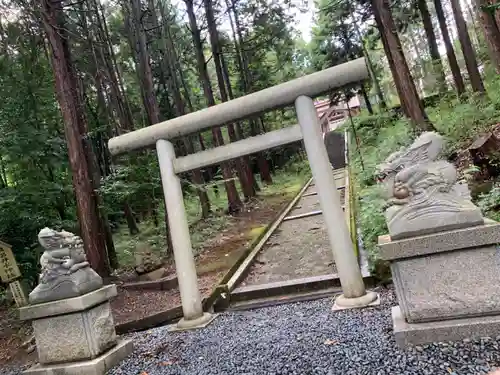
300, 247
218, 256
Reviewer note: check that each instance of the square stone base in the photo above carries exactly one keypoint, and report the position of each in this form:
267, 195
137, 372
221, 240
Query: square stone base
77, 336
97, 366
446, 275
445, 330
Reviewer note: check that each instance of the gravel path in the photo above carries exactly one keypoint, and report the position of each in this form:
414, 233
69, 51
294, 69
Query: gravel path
302, 338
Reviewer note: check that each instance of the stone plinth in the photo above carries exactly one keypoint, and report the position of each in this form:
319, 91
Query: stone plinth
444, 330
446, 276
76, 335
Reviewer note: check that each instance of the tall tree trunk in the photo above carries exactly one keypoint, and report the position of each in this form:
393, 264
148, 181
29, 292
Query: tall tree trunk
373, 76
169, 62
115, 74
53, 20
145, 73
450, 53
369, 64
105, 232
437, 64
467, 49
241, 167
98, 165
146, 82
401, 72
107, 63
129, 216
367, 100
491, 32
419, 69
234, 201
474, 33
390, 60
239, 132
246, 84
497, 14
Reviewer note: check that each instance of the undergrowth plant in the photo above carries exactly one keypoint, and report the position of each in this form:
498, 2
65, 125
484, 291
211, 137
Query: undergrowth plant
287, 181
460, 122
490, 203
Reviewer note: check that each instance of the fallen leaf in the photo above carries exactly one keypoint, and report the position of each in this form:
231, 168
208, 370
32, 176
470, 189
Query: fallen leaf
331, 342
166, 363
144, 373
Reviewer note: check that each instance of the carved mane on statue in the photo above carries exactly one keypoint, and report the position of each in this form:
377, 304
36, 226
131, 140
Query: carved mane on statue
423, 193
65, 270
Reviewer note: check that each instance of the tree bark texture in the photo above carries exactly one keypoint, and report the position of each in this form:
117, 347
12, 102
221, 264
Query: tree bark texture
241, 167
401, 71
491, 32
53, 20
450, 53
467, 49
437, 64
145, 73
170, 63
246, 85
146, 81
390, 60
233, 198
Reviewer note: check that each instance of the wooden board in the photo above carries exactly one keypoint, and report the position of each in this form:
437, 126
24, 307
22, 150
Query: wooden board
19, 293
9, 271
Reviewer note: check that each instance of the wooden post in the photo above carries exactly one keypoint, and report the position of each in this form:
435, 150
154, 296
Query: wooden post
10, 273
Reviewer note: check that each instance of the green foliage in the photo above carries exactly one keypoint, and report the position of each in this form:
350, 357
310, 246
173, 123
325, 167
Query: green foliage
35, 185
461, 121
290, 178
490, 203
287, 181
491, 8
379, 136
35, 180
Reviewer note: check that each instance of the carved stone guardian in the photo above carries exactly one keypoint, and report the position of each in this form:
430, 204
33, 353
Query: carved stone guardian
423, 194
65, 270
71, 313
443, 253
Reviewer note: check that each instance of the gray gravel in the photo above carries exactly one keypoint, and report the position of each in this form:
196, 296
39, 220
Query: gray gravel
302, 338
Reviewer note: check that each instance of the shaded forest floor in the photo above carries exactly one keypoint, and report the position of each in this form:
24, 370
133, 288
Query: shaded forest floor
218, 242
219, 253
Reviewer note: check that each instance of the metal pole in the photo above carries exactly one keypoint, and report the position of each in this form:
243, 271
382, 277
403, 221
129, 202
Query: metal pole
353, 288
181, 241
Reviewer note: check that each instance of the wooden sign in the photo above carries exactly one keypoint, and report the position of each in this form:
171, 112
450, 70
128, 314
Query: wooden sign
19, 293
9, 271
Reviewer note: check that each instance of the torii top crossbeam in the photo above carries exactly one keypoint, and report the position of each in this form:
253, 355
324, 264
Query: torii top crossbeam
274, 97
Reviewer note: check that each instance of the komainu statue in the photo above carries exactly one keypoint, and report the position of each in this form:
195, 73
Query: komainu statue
423, 193
65, 270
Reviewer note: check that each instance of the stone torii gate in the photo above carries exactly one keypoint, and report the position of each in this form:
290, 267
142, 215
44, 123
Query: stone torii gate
299, 92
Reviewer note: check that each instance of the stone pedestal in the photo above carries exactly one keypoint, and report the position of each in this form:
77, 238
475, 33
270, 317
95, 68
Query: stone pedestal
446, 283
76, 335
